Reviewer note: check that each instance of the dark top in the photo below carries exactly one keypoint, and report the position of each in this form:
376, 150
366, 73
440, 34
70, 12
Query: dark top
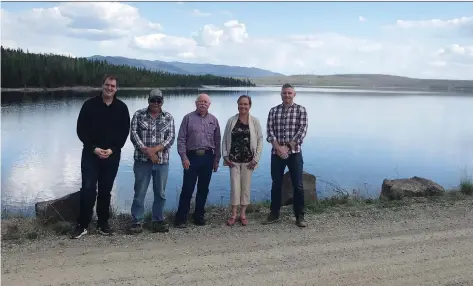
240, 151
103, 126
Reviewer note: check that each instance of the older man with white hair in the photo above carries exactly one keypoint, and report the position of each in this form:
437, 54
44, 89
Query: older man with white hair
198, 144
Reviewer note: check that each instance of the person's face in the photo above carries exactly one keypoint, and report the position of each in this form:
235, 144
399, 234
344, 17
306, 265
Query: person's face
109, 87
244, 105
287, 95
155, 104
202, 104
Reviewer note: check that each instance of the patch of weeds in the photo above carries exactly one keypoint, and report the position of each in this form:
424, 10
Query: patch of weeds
258, 207
466, 186
32, 235
340, 201
455, 195
12, 232
61, 228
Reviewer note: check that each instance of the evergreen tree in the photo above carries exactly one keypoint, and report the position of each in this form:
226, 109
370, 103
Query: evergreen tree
23, 69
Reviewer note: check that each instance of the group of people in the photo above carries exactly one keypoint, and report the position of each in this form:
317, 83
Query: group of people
103, 126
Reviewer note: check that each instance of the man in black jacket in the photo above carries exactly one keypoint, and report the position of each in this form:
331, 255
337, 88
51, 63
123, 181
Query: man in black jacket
103, 126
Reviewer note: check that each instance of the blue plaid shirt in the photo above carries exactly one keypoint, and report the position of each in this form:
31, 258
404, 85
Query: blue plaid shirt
149, 132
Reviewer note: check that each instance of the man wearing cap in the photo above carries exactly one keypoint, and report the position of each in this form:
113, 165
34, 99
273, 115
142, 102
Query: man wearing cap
152, 133
198, 145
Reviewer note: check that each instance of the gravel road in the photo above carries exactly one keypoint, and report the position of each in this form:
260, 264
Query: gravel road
422, 244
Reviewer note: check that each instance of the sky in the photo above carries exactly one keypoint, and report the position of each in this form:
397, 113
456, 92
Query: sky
414, 39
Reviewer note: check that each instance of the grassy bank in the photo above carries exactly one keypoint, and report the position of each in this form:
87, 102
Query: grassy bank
19, 229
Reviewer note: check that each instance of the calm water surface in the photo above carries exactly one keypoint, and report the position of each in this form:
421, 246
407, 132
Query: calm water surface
355, 139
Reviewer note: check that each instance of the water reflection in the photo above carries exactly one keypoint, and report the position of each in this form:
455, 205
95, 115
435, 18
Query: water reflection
353, 139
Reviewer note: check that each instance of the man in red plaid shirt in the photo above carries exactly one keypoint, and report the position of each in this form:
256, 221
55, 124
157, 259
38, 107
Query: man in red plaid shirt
286, 128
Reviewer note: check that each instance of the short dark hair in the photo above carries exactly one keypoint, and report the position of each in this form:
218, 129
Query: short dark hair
287, 85
244, 96
110, 77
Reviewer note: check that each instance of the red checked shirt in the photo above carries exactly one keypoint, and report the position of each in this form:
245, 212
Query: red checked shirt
285, 125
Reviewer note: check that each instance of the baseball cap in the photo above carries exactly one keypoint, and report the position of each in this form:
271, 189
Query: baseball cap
155, 94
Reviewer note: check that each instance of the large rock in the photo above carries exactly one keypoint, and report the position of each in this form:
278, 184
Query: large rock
308, 182
412, 187
66, 208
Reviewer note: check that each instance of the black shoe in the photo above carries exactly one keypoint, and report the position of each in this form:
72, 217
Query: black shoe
135, 228
104, 229
272, 218
180, 224
199, 221
159, 226
300, 221
78, 232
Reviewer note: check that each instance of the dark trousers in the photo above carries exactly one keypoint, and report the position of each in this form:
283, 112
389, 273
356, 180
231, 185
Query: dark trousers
102, 171
201, 169
295, 164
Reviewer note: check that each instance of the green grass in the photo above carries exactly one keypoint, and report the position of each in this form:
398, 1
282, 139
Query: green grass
466, 186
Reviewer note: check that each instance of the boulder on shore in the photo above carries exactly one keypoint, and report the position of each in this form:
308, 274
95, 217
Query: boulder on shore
412, 187
308, 182
66, 208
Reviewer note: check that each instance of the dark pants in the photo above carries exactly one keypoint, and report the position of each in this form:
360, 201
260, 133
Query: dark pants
295, 164
102, 171
201, 168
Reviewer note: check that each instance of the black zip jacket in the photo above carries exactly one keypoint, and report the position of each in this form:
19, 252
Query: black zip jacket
102, 126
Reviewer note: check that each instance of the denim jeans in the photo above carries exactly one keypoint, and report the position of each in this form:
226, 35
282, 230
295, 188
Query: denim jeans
200, 172
101, 172
144, 171
295, 164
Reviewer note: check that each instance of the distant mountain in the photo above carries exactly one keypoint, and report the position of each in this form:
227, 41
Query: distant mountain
188, 68
368, 81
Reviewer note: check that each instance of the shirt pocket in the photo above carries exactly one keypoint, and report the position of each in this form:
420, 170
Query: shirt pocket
162, 126
210, 130
143, 124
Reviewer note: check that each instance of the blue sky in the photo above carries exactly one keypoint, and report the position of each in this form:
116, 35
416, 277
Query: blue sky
298, 37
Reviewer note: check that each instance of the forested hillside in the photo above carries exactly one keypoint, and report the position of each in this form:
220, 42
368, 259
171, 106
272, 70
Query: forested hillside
22, 69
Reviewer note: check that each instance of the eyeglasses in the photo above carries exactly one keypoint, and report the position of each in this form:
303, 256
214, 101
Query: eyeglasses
156, 100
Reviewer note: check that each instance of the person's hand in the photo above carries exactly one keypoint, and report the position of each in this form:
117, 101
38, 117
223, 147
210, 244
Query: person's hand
251, 165
282, 152
150, 152
215, 168
186, 164
108, 152
229, 163
154, 158
293, 145
101, 153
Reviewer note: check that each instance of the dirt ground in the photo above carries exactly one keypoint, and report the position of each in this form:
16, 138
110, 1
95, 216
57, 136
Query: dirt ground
425, 244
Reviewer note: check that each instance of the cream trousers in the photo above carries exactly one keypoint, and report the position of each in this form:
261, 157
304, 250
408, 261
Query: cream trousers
240, 178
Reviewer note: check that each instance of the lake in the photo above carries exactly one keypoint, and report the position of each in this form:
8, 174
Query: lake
355, 139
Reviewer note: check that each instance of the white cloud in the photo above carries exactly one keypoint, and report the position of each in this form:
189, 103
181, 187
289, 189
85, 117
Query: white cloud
362, 19
198, 13
84, 29
435, 23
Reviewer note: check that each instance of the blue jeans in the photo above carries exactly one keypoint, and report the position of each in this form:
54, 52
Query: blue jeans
143, 173
295, 165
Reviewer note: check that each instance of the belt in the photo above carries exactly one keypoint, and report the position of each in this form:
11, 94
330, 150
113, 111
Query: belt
201, 152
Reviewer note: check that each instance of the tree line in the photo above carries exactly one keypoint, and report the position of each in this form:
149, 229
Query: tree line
23, 69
